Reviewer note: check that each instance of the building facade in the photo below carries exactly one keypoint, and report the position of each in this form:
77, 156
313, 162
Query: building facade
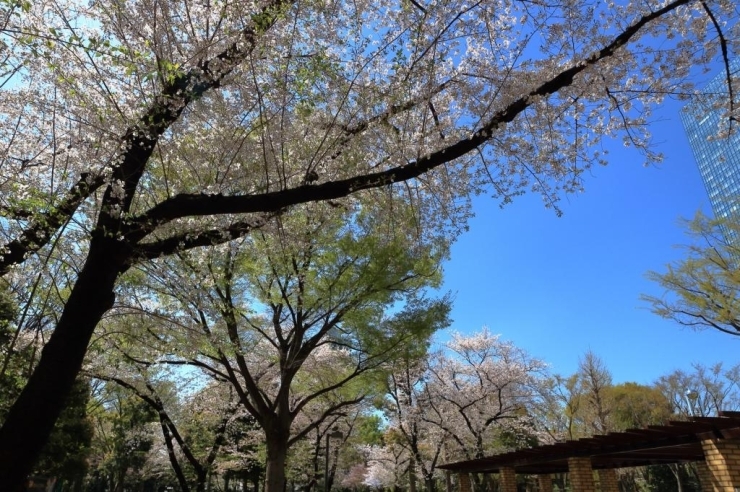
715, 148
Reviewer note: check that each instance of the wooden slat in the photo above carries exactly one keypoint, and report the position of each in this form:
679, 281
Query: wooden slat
677, 441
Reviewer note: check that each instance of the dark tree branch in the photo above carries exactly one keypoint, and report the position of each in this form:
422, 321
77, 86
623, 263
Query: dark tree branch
725, 58
190, 240
140, 141
327, 413
195, 205
45, 225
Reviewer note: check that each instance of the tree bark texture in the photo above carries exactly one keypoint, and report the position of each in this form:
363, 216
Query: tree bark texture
31, 419
277, 451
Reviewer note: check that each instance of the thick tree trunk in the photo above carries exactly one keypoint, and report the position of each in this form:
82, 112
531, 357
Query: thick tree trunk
430, 484
256, 483
201, 481
412, 475
174, 463
32, 417
277, 451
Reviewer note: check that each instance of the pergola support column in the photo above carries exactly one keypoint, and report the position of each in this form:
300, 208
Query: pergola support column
463, 482
722, 457
705, 477
581, 474
608, 480
507, 476
545, 482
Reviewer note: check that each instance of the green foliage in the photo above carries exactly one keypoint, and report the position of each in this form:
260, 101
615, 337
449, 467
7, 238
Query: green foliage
591, 404
15, 362
703, 289
370, 430
407, 333
243, 454
122, 439
635, 406
515, 438
8, 312
662, 478
66, 453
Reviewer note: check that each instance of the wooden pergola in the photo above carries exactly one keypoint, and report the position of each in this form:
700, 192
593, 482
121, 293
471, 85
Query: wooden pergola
712, 442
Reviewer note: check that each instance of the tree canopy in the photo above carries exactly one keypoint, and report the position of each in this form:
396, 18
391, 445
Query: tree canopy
702, 290
136, 130
294, 319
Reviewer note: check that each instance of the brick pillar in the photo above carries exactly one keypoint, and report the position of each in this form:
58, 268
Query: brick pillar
608, 480
507, 476
705, 478
581, 474
723, 461
545, 482
463, 480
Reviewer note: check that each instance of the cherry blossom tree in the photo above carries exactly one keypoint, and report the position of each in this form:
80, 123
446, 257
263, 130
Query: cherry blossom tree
387, 465
481, 390
193, 443
202, 429
355, 477
474, 396
405, 409
139, 130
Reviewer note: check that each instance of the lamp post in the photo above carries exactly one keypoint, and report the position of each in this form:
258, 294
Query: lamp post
334, 434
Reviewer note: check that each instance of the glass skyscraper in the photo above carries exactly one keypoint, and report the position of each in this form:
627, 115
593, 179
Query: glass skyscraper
716, 153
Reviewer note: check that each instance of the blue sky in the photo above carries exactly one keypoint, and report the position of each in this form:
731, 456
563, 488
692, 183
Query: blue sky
558, 286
